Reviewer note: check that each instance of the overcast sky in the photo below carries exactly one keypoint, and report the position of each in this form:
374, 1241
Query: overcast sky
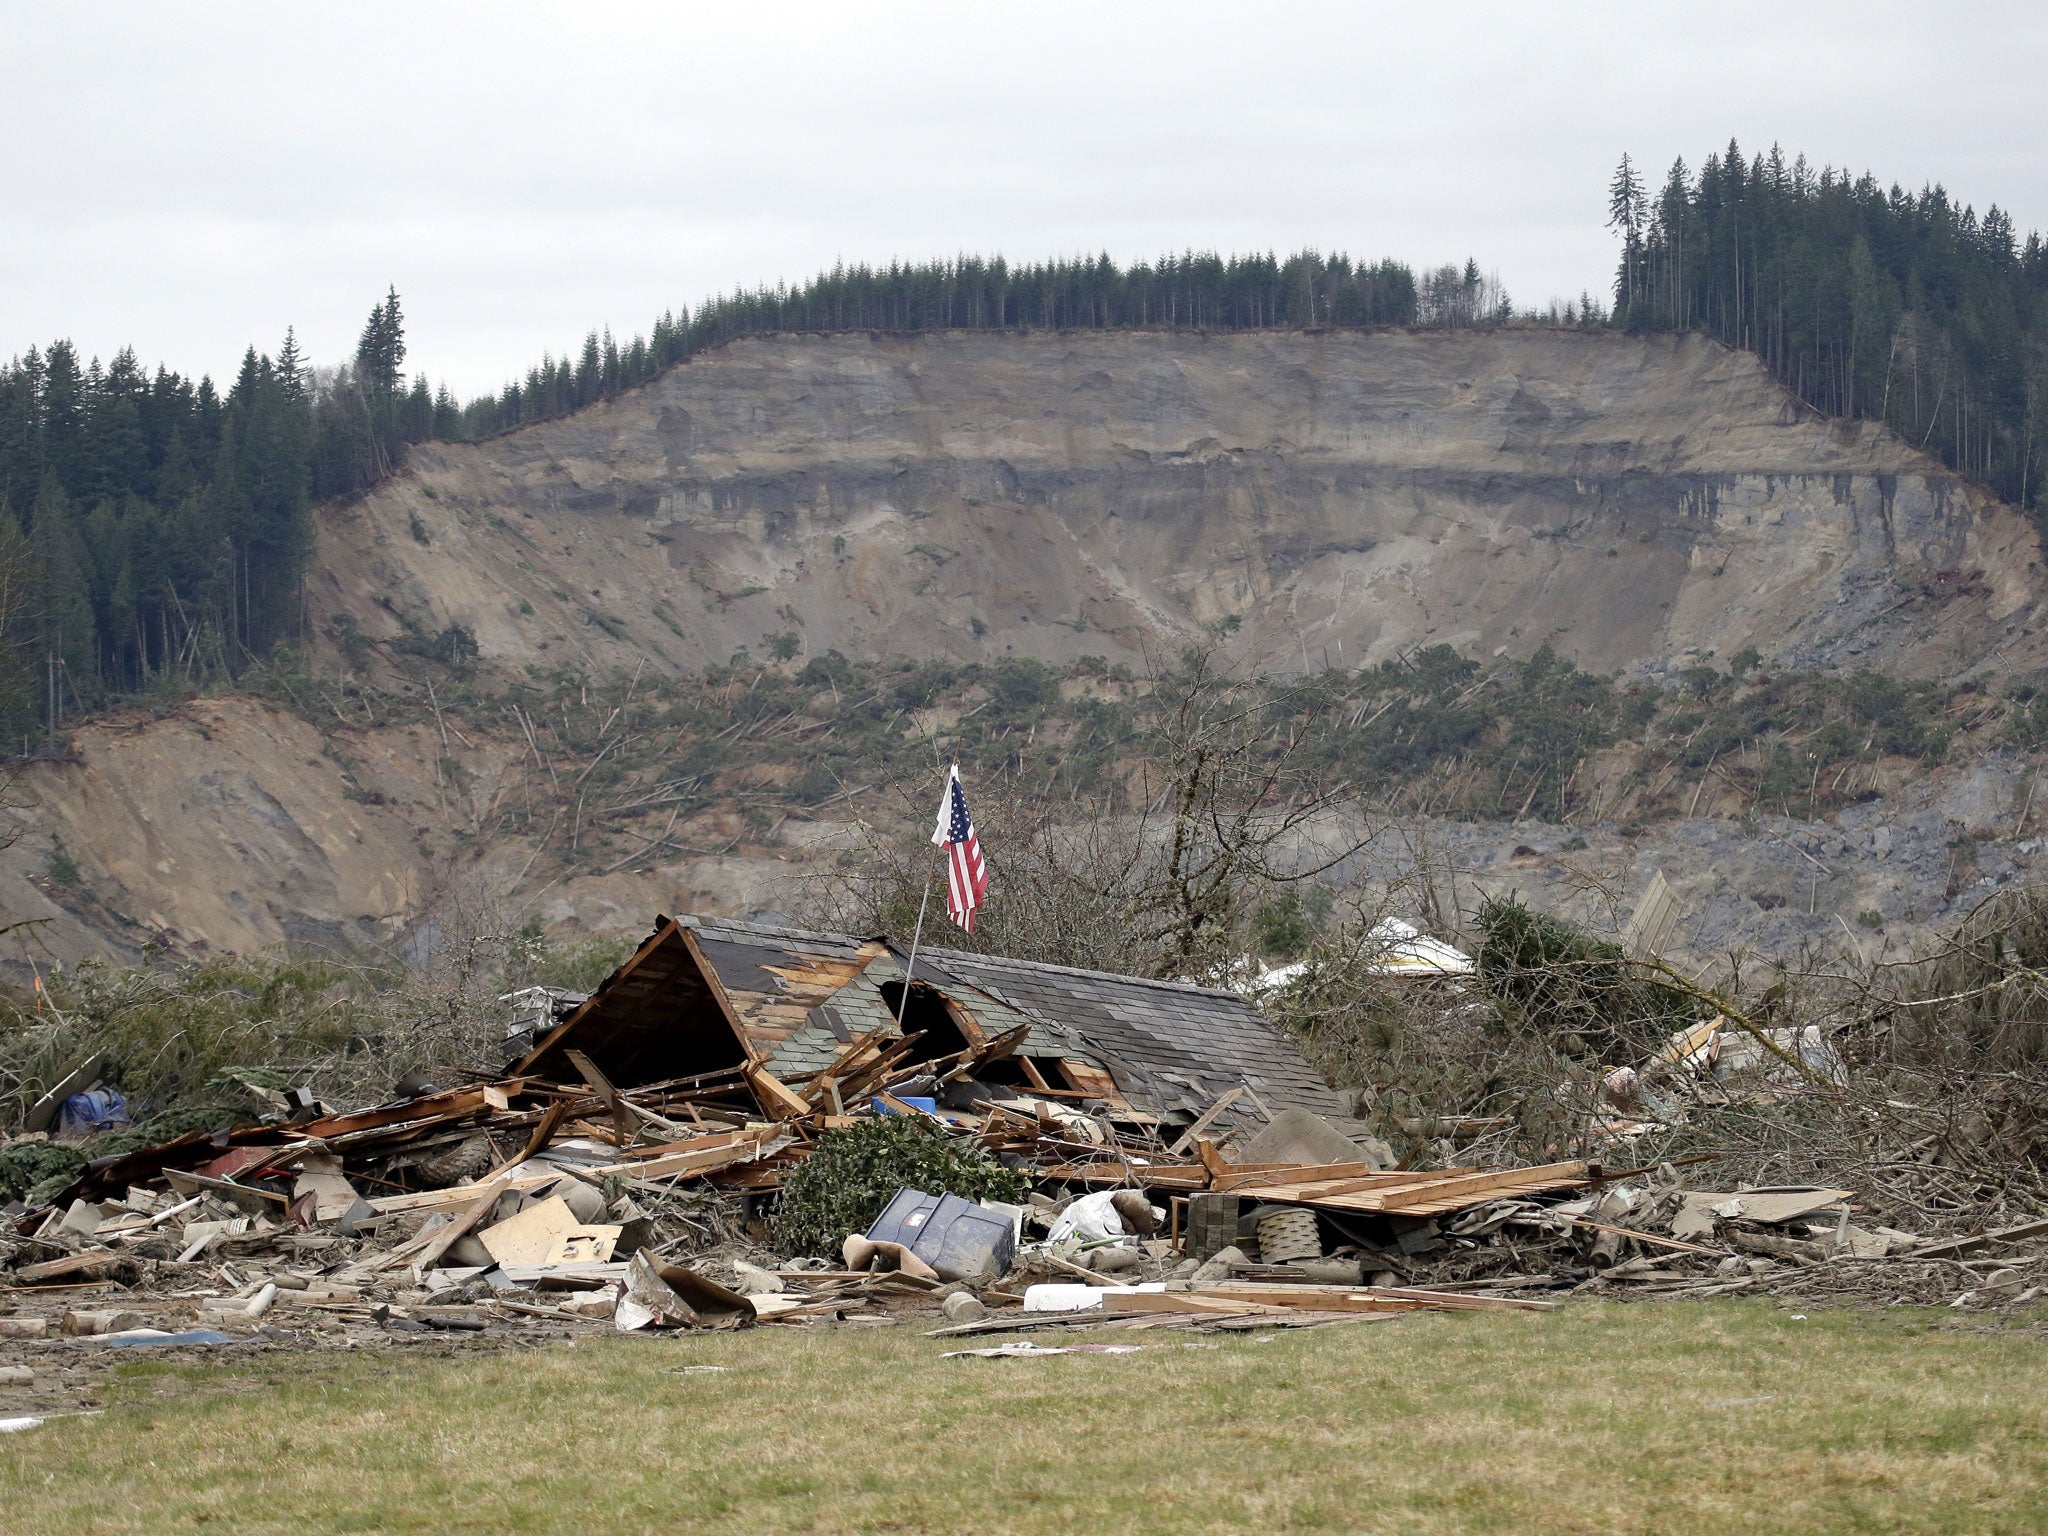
191, 178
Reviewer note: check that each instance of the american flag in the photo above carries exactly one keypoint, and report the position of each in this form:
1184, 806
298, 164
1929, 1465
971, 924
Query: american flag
966, 873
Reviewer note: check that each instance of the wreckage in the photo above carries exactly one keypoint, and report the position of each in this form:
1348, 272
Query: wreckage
1186, 1166
799, 1018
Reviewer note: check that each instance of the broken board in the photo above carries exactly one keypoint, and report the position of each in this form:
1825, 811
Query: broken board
548, 1233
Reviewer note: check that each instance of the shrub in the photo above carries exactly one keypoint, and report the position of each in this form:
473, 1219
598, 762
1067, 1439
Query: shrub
1564, 981
843, 1186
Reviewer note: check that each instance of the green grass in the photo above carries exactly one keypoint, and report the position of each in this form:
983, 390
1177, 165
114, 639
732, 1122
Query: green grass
1700, 1418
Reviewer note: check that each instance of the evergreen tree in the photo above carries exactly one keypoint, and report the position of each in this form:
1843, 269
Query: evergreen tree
66, 627
380, 354
1864, 300
291, 368
1625, 213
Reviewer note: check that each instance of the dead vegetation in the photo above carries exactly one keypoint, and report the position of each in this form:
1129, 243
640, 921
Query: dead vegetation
1922, 1086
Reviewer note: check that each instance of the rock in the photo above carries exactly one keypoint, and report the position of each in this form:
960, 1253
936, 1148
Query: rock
964, 1307
1185, 1268
1114, 1261
1220, 1268
16, 1376
752, 1280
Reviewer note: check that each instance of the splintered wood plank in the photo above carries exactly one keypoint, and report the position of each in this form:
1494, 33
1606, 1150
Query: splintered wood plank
451, 1105
853, 1057
1207, 1118
622, 1119
1152, 1176
1182, 1301
777, 1099
690, 1162
1369, 1298
433, 1244
1455, 1194
1089, 1080
1429, 1194
1334, 1184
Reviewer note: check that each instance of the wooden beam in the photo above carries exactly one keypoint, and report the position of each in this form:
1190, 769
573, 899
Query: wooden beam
777, 1099
1205, 1120
629, 1131
1371, 1298
1471, 1188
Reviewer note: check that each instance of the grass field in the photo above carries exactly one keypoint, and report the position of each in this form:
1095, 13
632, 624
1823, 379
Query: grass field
1698, 1418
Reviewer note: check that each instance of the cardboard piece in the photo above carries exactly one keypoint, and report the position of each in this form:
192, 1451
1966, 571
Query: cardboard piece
548, 1233
320, 1176
1770, 1206
668, 1295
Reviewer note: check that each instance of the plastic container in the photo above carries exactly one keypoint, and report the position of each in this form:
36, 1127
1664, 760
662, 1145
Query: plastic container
916, 1101
959, 1239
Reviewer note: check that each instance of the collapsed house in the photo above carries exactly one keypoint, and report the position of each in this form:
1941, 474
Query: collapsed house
788, 1019
1185, 1164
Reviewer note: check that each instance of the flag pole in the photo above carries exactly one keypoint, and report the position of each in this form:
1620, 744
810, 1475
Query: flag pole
924, 901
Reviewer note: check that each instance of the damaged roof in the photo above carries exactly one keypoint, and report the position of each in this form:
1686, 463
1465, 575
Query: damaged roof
1169, 1045
704, 996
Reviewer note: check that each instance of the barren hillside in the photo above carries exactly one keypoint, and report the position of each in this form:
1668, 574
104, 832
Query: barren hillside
1626, 499
1636, 503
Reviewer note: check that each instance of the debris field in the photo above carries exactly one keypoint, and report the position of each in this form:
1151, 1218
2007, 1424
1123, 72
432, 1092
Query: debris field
1180, 1166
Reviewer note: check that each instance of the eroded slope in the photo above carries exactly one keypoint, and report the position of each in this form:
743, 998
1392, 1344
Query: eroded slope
1633, 502
1626, 499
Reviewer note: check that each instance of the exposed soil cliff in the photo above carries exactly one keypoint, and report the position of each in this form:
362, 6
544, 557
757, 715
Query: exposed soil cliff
1625, 499
1636, 503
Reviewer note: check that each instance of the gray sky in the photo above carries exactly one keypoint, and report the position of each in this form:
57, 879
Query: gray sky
190, 178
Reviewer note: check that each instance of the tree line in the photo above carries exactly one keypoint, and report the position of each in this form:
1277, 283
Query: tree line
1866, 301
1196, 290
154, 529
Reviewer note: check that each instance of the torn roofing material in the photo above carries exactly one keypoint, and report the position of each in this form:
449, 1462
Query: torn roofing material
704, 997
1168, 1045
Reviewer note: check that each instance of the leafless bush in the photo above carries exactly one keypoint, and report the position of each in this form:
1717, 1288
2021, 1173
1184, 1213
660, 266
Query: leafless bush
1942, 1122
178, 1037
1981, 1000
1218, 810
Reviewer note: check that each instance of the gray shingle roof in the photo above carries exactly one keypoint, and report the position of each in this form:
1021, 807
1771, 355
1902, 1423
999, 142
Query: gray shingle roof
1168, 1045
799, 996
